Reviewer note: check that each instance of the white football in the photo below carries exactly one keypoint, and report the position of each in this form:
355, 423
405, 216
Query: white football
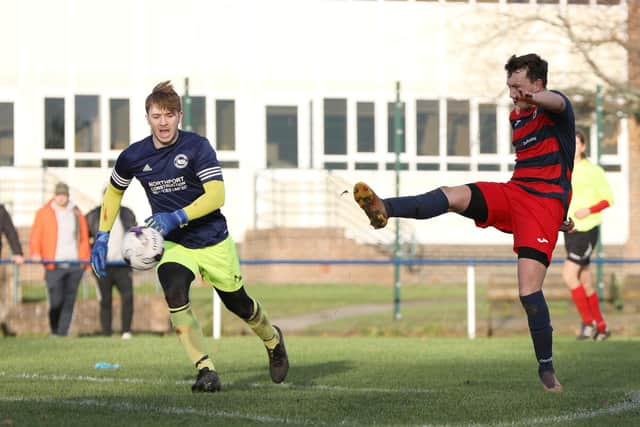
142, 247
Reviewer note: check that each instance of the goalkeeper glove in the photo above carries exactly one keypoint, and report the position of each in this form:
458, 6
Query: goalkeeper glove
99, 254
164, 222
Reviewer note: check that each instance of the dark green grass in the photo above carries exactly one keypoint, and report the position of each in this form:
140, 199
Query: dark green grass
359, 381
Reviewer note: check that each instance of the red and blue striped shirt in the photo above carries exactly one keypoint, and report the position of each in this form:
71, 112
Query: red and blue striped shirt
545, 144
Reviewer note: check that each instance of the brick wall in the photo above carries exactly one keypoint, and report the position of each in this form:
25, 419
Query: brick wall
330, 243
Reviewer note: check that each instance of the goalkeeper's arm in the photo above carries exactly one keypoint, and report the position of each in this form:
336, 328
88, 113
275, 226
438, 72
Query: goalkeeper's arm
110, 207
211, 200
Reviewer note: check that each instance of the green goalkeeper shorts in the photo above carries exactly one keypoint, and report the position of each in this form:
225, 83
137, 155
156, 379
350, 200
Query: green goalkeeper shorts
218, 264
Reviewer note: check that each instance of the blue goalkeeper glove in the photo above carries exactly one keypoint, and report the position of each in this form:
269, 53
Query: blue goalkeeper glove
164, 222
99, 254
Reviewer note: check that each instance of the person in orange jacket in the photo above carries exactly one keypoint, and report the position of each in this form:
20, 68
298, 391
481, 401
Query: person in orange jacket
60, 233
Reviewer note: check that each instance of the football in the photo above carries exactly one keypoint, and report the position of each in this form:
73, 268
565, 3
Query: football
142, 247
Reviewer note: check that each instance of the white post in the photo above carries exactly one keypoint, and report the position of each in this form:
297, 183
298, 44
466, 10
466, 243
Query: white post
471, 301
216, 315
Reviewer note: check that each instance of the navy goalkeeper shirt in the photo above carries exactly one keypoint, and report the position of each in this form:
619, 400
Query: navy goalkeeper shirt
172, 177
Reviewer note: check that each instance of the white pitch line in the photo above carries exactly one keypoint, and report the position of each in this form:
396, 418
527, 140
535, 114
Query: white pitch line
630, 404
255, 385
345, 389
163, 409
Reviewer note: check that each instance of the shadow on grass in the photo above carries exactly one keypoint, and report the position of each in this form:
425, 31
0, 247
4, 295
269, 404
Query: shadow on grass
307, 374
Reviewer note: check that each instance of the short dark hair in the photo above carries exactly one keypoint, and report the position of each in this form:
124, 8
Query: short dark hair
581, 136
536, 67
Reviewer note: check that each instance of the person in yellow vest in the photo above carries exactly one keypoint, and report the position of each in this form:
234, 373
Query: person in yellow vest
591, 195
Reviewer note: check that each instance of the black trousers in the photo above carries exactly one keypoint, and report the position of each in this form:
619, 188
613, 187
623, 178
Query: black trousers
120, 278
62, 289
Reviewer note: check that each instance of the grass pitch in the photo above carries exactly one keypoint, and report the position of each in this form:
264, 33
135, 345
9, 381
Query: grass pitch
350, 381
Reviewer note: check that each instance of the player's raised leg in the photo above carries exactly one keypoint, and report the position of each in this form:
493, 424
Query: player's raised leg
422, 206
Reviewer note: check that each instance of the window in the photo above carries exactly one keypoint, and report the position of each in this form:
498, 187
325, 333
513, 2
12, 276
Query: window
427, 128
6, 134
391, 114
335, 126
87, 124
488, 128
610, 128
584, 117
226, 125
282, 137
54, 123
119, 124
198, 115
366, 127
458, 128
55, 163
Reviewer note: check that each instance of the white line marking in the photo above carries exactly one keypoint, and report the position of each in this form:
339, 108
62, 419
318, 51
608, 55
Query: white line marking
229, 384
163, 409
631, 403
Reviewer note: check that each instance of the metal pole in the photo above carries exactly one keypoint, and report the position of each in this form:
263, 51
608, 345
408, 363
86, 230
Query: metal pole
186, 119
16, 285
398, 139
599, 137
471, 301
217, 316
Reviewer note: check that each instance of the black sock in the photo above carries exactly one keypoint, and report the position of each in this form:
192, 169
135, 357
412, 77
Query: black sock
540, 328
423, 206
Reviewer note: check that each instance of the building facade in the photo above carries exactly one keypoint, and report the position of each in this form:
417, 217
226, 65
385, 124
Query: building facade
293, 95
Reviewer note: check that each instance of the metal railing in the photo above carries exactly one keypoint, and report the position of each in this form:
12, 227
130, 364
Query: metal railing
470, 264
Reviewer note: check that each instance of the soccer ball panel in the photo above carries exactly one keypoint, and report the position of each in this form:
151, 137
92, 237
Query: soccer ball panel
142, 247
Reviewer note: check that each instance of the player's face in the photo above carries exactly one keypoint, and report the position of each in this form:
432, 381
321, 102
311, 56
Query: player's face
163, 124
519, 84
61, 200
580, 149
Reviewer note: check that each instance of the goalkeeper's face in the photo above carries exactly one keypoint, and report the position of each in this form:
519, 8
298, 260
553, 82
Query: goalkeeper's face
164, 125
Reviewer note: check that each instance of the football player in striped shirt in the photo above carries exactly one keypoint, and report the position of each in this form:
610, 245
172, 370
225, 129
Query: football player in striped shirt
182, 178
532, 205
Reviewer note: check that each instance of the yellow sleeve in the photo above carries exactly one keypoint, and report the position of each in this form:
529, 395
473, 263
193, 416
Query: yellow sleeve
211, 200
110, 207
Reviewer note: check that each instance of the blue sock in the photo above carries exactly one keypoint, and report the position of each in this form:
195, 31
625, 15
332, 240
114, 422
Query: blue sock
540, 328
423, 206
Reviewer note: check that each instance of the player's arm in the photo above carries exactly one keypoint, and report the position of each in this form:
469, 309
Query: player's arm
211, 200
108, 211
110, 207
548, 100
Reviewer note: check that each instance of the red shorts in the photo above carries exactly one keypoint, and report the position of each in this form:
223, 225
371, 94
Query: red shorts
534, 221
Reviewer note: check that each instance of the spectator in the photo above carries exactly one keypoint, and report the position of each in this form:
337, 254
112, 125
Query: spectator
7, 228
591, 195
117, 275
59, 233
9, 231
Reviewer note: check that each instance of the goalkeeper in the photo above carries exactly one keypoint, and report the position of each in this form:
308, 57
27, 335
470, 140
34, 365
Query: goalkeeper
182, 178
